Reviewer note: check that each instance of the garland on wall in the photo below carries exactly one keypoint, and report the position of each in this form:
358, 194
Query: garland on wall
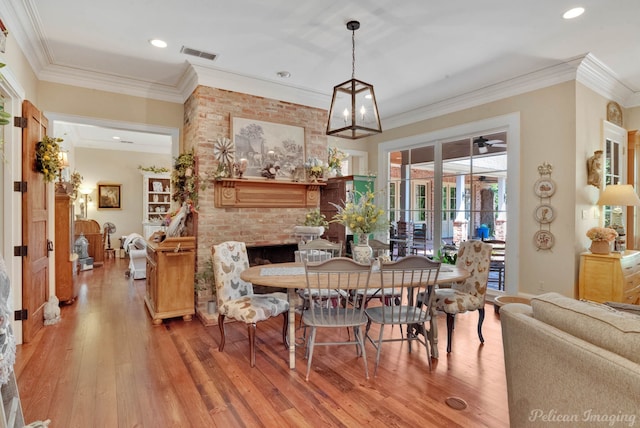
184, 179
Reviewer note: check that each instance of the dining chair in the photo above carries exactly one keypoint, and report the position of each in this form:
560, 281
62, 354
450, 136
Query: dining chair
497, 264
236, 299
338, 274
468, 295
408, 277
318, 250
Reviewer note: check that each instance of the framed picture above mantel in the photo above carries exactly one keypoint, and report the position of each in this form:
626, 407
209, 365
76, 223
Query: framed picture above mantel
268, 144
109, 196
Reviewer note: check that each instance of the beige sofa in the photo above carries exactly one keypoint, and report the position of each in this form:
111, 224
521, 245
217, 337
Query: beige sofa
571, 363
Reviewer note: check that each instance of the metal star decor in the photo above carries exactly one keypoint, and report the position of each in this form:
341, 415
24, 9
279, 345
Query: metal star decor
224, 153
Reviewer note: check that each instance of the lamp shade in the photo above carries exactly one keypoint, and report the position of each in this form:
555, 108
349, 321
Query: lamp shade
620, 195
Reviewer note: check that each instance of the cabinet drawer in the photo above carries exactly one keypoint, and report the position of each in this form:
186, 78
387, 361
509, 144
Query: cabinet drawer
630, 265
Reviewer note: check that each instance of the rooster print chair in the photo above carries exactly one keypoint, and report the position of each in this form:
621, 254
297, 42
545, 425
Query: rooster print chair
474, 256
236, 299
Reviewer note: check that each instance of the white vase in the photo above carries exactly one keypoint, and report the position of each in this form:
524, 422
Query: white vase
362, 252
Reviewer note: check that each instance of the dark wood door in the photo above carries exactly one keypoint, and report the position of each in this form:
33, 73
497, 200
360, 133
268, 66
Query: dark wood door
35, 265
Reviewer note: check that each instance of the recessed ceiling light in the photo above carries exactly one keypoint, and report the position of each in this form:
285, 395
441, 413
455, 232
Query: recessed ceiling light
116, 137
158, 43
283, 74
573, 13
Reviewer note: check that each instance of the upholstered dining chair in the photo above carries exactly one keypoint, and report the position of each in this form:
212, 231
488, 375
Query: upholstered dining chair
408, 277
236, 299
469, 295
337, 274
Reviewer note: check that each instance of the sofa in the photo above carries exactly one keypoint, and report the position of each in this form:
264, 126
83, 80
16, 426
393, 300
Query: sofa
571, 363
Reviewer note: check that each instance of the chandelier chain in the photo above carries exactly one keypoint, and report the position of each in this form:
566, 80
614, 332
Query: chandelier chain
353, 54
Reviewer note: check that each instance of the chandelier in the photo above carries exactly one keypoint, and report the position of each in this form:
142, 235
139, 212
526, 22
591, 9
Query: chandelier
354, 112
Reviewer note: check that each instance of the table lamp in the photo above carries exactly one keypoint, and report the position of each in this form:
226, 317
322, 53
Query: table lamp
616, 196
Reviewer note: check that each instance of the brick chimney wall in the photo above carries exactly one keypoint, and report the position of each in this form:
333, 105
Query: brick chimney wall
208, 116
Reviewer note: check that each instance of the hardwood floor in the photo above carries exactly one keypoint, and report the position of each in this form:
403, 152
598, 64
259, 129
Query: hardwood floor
105, 365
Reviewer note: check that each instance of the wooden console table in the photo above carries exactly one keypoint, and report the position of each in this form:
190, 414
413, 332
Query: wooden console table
265, 193
170, 278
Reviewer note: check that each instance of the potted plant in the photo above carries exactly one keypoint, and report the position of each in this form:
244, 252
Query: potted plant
314, 223
205, 282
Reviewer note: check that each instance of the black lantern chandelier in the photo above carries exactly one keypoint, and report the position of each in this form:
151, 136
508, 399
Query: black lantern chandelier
354, 111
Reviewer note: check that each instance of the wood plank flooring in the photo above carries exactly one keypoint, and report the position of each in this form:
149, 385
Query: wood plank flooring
105, 365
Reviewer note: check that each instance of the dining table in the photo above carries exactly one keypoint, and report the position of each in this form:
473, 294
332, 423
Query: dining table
291, 276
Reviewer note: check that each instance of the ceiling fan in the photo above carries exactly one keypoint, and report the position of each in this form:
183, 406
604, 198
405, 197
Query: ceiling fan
484, 144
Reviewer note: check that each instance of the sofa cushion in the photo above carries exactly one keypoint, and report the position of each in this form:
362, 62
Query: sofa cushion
603, 326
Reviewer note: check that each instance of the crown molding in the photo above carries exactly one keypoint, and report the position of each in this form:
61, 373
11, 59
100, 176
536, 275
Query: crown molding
259, 87
109, 83
586, 69
597, 76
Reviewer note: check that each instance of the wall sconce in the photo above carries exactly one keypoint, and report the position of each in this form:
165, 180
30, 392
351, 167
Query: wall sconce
617, 196
64, 163
84, 207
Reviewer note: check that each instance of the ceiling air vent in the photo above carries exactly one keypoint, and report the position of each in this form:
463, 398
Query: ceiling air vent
194, 52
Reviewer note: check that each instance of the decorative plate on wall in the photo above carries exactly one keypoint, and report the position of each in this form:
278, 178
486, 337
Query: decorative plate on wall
614, 113
544, 214
544, 239
545, 187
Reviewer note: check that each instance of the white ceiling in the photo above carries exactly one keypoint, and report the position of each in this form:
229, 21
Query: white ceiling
416, 53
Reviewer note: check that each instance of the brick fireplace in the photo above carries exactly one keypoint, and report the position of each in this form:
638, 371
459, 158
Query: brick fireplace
267, 231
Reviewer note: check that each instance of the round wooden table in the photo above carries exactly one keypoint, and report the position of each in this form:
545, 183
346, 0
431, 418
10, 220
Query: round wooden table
291, 276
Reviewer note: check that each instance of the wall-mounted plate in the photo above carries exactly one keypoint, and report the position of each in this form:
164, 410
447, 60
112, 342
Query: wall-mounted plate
545, 187
544, 239
544, 214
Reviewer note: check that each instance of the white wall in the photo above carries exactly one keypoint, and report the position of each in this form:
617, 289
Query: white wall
110, 166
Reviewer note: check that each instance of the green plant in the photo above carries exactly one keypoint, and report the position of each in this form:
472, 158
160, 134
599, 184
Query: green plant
76, 181
446, 258
205, 278
315, 218
153, 168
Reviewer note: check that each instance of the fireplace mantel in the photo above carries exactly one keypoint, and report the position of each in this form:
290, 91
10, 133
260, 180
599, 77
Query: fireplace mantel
265, 193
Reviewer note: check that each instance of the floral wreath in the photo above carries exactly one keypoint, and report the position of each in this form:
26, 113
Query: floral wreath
48, 158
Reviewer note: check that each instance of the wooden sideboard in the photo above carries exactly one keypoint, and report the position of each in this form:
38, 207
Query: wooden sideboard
611, 277
170, 278
91, 230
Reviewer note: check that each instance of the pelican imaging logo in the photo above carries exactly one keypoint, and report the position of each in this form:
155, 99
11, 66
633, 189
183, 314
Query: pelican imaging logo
553, 416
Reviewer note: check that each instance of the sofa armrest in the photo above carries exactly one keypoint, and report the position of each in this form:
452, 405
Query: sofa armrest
549, 371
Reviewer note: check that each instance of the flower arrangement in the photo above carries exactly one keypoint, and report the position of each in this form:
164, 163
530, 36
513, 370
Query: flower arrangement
315, 167
48, 157
336, 156
315, 218
76, 181
362, 216
602, 234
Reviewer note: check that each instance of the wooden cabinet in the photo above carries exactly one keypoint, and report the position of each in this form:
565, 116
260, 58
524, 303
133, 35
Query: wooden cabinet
156, 201
91, 230
66, 260
170, 278
612, 277
337, 191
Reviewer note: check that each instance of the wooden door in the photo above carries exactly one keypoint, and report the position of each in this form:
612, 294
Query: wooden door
35, 265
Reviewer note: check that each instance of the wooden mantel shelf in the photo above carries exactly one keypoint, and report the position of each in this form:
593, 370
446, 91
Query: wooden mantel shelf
265, 193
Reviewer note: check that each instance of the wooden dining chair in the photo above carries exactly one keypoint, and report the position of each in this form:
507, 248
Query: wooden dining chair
337, 274
497, 265
236, 299
407, 277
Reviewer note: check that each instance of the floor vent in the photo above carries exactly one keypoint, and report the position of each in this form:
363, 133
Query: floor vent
194, 52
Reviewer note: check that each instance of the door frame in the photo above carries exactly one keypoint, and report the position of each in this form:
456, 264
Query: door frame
12, 201
509, 123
